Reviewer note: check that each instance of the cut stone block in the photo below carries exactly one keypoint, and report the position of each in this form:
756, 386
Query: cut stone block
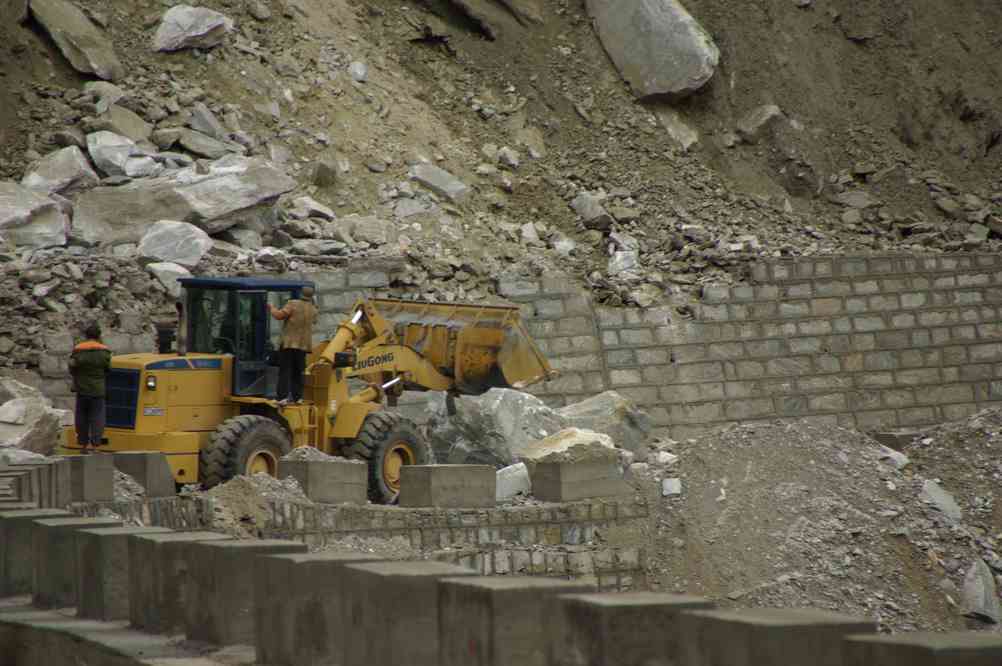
766, 636
159, 578
925, 649
329, 482
499, 621
299, 617
220, 599
448, 486
567, 482
17, 548
620, 629
398, 603
55, 559
103, 571
55, 481
93, 478
149, 469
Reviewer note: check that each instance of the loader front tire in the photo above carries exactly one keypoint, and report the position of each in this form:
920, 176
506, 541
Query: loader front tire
388, 442
242, 445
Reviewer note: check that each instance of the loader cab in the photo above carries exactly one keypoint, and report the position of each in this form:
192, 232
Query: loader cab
230, 316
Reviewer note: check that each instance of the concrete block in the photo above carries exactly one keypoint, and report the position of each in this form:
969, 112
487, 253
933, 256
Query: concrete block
396, 602
299, 617
103, 571
447, 486
20, 486
55, 559
499, 620
566, 482
17, 548
766, 636
620, 629
148, 468
924, 649
220, 595
159, 579
334, 482
92, 478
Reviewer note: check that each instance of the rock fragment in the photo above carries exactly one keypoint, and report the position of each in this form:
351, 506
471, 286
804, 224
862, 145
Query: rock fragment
981, 599
589, 207
440, 181
168, 274
753, 126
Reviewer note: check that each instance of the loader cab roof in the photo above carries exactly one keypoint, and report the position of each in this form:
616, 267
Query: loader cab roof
261, 284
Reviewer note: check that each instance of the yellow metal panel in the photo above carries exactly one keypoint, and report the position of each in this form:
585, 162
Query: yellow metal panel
181, 448
204, 417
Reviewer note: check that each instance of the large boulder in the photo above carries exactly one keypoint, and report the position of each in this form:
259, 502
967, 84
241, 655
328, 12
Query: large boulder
30, 423
614, 415
491, 429
236, 190
177, 242
65, 171
29, 219
657, 46
186, 27
84, 45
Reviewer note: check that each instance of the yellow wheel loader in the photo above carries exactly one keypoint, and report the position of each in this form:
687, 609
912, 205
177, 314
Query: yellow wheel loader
211, 405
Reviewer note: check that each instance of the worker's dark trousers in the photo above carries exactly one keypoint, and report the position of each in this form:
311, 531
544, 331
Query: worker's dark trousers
291, 366
89, 416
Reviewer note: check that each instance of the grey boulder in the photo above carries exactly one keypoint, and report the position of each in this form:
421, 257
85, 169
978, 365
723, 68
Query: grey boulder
122, 121
934, 494
593, 213
370, 229
495, 428
186, 27
177, 242
64, 171
206, 146
236, 190
758, 121
657, 46
111, 151
28, 219
84, 45
981, 599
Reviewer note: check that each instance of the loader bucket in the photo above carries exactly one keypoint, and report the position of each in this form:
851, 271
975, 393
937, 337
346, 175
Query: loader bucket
479, 346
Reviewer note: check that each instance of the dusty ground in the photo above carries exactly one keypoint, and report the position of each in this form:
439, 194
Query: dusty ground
794, 514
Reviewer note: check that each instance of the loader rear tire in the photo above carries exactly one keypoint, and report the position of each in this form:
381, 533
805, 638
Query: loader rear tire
387, 442
242, 445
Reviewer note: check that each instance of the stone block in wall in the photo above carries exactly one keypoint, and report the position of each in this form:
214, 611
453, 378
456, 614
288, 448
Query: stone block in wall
745, 409
368, 279
517, 288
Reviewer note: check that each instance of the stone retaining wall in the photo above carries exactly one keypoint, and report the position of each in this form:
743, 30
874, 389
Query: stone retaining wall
565, 540
864, 342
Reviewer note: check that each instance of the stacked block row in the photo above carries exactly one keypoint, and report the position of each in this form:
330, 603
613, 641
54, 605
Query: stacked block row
339, 607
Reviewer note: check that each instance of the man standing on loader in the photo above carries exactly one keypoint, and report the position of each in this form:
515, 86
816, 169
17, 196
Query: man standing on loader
297, 316
89, 365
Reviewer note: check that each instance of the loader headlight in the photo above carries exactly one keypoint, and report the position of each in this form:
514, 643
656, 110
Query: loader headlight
151, 383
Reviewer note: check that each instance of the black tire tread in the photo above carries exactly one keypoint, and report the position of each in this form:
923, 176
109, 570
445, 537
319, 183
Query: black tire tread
217, 461
367, 444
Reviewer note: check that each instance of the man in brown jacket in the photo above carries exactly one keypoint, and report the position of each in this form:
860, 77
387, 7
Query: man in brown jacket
298, 316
